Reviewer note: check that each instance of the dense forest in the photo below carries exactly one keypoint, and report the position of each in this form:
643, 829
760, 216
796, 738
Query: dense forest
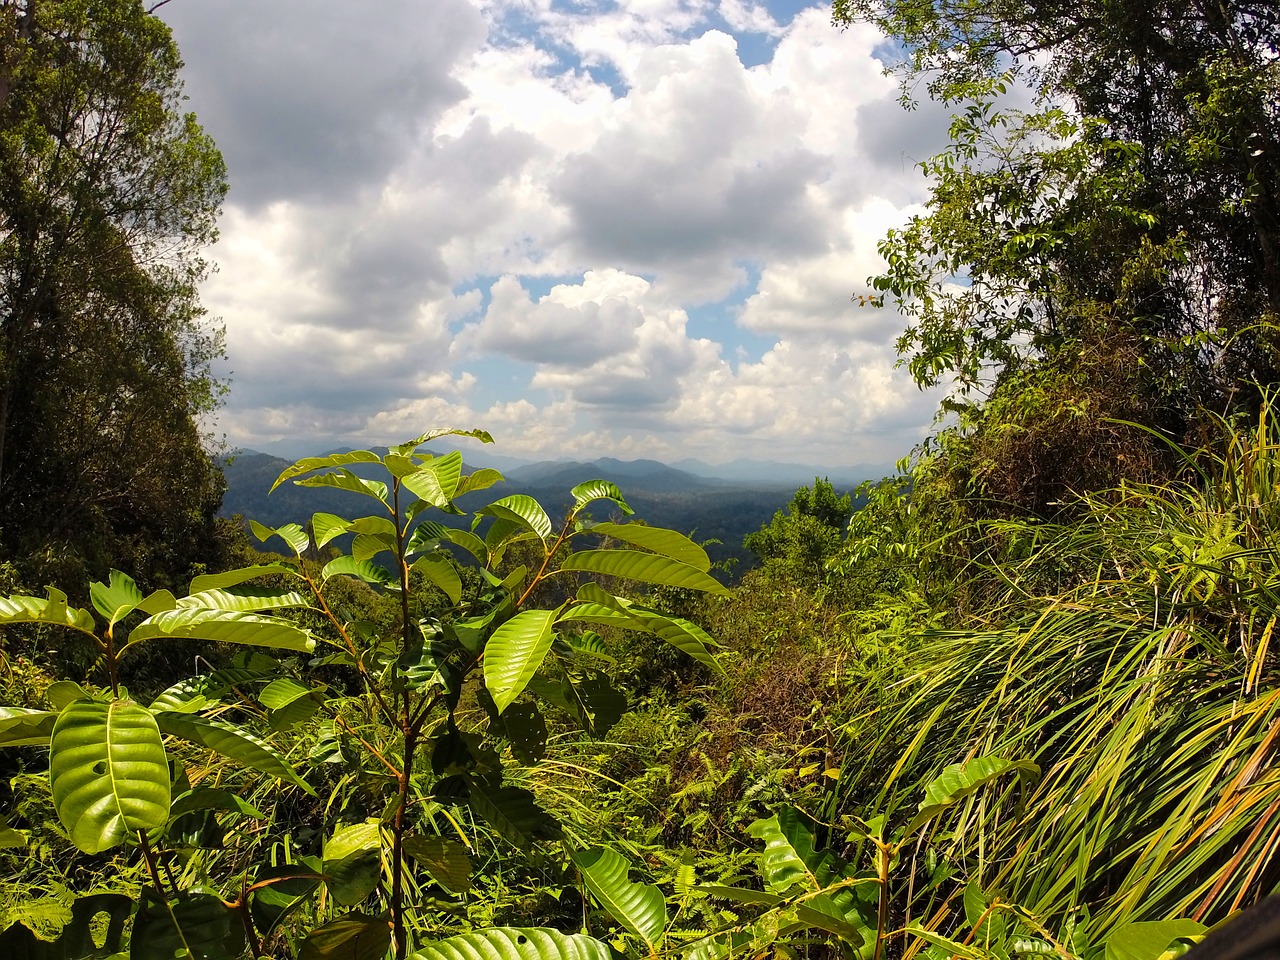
1023, 700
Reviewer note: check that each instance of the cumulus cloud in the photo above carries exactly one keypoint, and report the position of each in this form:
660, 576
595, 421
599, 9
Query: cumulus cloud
402, 185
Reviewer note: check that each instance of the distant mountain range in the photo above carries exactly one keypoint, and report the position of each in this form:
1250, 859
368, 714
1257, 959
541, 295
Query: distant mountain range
687, 496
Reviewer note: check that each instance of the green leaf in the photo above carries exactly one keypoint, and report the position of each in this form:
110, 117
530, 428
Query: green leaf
308, 464
1149, 940
327, 526
482, 479
208, 798
404, 449
20, 727
591, 490
116, 600
526, 731
469, 542
290, 533
231, 578
293, 885
520, 509
364, 569
438, 569
354, 838
514, 652
515, 943
513, 812
63, 693
640, 907
668, 543
194, 927
596, 701
53, 610
223, 626
446, 861
684, 635
346, 480
230, 742
108, 771
354, 936
244, 599
960, 780
366, 546
436, 481
282, 691
645, 567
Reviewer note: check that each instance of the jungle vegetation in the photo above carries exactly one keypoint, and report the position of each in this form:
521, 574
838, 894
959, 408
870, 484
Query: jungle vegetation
1024, 700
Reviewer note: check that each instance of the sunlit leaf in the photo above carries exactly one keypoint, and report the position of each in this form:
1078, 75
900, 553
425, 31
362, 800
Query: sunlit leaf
668, 543
514, 652
640, 907
511, 943
231, 578
520, 509
645, 567
231, 742
223, 626
51, 610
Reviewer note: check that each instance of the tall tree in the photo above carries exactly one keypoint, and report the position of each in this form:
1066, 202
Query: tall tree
1113, 254
108, 191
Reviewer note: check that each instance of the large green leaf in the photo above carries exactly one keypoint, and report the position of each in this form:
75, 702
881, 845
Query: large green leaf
514, 652
640, 907
515, 943
585, 493
436, 481
327, 526
408, 447
279, 890
446, 860
230, 742
645, 567
20, 727
684, 635
520, 509
244, 599
438, 568
482, 479
196, 926
209, 798
223, 626
346, 480
469, 542
1149, 940
308, 464
366, 570
290, 533
231, 578
51, 610
108, 771
513, 812
354, 936
659, 540
960, 780
116, 599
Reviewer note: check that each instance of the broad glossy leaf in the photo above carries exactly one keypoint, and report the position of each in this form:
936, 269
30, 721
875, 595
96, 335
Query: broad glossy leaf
63, 693
426, 535
645, 567
327, 526
1149, 940
591, 490
640, 907
196, 926
230, 742
282, 691
209, 798
520, 509
354, 877
290, 533
364, 569
513, 812
404, 449
108, 771
354, 838
307, 464
354, 936
223, 626
515, 943
436, 481
684, 635
482, 479
514, 652
231, 578
244, 599
20, 727
668, 543
277, 891
438, 569
346, 480
11, 838
52, 610
374, 527
116, 599
446, 860
469, 542
960, 780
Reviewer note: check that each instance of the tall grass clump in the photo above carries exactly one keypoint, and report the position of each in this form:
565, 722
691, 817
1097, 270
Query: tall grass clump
1132, 656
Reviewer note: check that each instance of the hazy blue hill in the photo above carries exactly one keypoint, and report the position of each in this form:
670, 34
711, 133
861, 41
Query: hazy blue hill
661, 495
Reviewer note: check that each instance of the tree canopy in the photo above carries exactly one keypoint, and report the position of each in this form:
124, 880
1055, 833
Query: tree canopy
108, 191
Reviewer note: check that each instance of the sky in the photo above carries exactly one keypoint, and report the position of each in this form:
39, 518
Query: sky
629, 228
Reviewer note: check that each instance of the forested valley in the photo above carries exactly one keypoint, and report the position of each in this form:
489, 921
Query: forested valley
1024, 700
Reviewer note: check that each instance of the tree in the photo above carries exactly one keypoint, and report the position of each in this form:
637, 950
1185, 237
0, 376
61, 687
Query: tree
1111, 255
108, 191
810, 531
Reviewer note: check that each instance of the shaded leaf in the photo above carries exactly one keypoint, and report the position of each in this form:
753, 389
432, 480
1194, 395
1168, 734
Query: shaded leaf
644, 567
513, 812
446, 861
351, 937
21, 727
